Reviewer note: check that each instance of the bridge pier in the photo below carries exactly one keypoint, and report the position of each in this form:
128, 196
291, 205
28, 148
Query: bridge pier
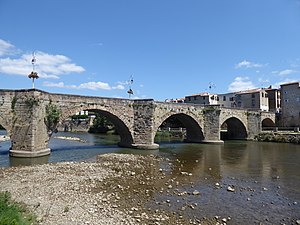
212, 128
29, 133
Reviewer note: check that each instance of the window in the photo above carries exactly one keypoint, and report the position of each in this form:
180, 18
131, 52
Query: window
286, 100
253, 103
212, 97
203, 97
224, 98
189, 99
195, 97
253, 95
262, 95
231, 99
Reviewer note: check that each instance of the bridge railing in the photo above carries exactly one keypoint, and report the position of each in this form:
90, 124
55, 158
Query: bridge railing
175, 129
281, 129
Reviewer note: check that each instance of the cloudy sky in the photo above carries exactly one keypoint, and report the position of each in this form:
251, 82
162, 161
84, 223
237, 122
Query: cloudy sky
171, 48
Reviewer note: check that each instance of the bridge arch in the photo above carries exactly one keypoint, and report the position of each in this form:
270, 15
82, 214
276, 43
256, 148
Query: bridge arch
194, 131
233, 128
122, 125
5, 125
267, 122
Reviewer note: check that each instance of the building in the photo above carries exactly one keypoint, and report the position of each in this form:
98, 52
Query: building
203, 99
253, 99
290, 104
274, 99
177, 100
227, 100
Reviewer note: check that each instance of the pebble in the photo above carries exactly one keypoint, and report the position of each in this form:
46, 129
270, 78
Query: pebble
196, 192
231, 189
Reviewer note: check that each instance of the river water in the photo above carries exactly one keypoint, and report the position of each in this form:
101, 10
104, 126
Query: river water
265, 176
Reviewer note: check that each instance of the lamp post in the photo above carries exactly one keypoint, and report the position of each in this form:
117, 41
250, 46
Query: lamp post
33, 75
130, 91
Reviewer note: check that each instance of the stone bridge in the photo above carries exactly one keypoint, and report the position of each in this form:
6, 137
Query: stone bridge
29, 118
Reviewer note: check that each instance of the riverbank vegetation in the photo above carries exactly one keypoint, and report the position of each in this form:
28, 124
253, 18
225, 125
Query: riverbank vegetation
102, 125
12, 213
279, 137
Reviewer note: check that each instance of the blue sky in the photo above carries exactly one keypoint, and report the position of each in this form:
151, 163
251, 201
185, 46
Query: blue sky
172, 48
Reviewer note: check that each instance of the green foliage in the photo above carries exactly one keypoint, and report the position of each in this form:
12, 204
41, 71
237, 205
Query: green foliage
12, 213
101, 121
101, 124
276, 137
31, 102
52, 117
13, 103
66, 209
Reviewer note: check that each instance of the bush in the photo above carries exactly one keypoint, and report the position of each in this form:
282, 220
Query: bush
12, 213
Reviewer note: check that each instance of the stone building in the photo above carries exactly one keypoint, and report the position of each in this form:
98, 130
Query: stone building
290, 104
227, 100
274, 99
203, 99
253, 99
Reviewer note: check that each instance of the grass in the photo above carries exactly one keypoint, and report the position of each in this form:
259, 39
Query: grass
12, 213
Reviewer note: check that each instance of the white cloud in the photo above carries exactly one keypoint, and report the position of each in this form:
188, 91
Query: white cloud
7, 48
248, 64
287, 72
277, 85
89, 85
261, 80
95, 86
47, 65
240, 84
119, 87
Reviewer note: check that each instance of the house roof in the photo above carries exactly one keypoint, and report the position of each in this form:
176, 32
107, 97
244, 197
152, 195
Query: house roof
291, 83
200, 94
251, 91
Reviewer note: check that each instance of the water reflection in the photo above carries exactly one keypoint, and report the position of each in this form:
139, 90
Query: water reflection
13, 161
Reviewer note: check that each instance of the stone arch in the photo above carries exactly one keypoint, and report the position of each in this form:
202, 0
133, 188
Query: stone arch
5, 125
267, 122
122, 126
235, 129
194, 131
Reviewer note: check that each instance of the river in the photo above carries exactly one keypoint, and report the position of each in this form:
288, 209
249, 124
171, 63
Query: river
265, 176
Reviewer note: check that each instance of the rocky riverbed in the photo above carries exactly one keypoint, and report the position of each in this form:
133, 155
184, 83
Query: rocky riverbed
132, 189
113, 190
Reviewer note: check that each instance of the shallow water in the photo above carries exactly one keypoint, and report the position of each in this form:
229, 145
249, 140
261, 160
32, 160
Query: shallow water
265, 176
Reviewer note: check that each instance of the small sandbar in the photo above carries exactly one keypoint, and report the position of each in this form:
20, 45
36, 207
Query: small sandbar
70, 138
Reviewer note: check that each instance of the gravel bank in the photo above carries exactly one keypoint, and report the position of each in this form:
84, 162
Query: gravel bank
114, 190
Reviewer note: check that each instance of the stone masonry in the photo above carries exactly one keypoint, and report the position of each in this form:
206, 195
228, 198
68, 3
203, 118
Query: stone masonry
23, 115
